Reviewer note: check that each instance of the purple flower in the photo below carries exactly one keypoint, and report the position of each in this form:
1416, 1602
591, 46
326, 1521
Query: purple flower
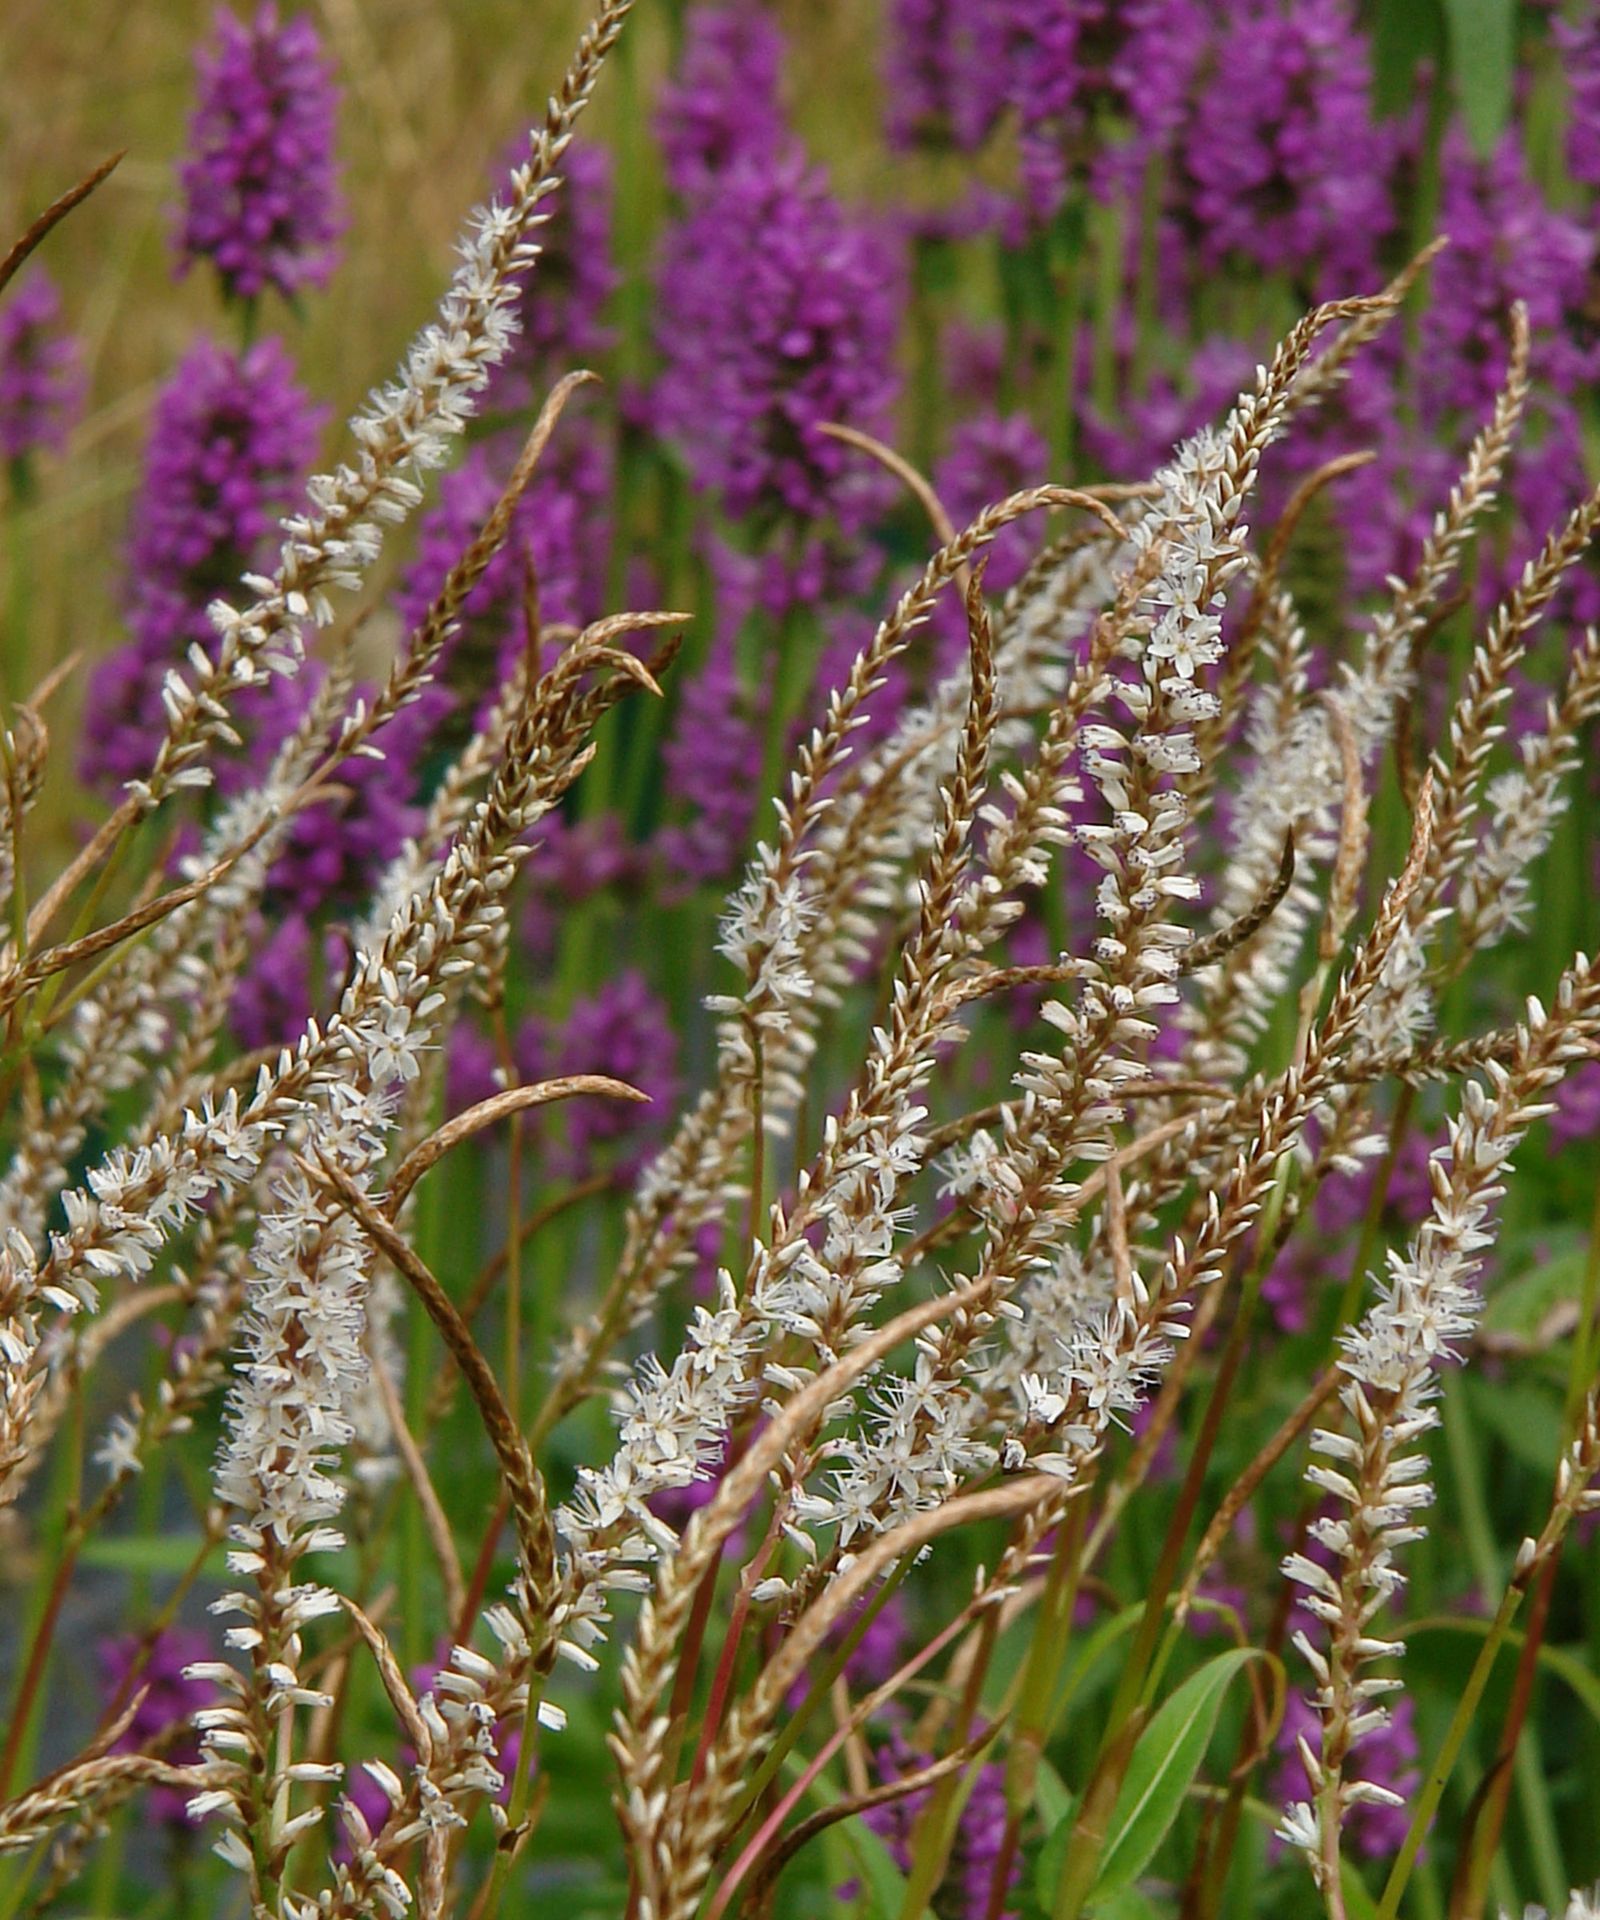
571, 861
712, 761
561, 308
1506, 244
976, 1853
556, 543
722, 106
169, 1700
623, 1030
261, 197
1148, 426
231, 437
41, 377
1577, 1104
989, 456
1578, 42
779, 312
471, 1068
940, 87
273, 998
1075, 72
1282, 160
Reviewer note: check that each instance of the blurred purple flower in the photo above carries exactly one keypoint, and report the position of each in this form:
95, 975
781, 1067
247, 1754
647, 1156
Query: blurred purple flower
556, 543
976, 1853
779, 312
169, 1700
260, 187
989, 456
1506, 244
561, 308
939, 85
1578, 42
231, 437
1147, 426
712, 763
1388, 1757
721, 106
1282, 162
337, 850
623, 1029
1080, 74
273, 997
41, 375
1577, 1105
471, 1068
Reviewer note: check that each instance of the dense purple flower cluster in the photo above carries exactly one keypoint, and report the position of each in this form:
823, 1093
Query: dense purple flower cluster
940, 82
712, 762
779, 312
41, 378
561, 312
274, 994
555, 551
1578, 43
624, 1029
1283, 163
721, 107
975, 1856
1099, 88
231, 438
260, 188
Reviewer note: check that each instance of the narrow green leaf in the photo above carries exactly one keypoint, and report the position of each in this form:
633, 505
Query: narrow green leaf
1047, 1870
885, 1884
1051, 1796
1170, 1752
1482, 61
1571, 1669
156, 1553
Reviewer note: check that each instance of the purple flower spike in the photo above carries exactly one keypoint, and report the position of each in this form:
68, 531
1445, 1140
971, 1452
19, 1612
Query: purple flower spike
722, 105
260, 187
556, 544
41, 380
1287, 167
713, 767
170, 1697
231, 437
274, 997
938, 86
1578, 42
561, 312
779, 312
625, 1030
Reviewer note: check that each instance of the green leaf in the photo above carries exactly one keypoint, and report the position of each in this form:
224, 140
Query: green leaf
1085, 1653
1482, 58
1571, 1669
885, 1884
1047, 1871
1525, 1419
1169, 1753
165, 1553
1519, 1306
1051, 1796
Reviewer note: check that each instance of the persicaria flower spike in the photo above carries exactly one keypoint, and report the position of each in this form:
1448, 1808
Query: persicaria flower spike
260, 187
41, 380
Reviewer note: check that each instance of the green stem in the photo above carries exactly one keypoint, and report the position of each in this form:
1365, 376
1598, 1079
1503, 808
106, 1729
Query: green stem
1427, 1804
